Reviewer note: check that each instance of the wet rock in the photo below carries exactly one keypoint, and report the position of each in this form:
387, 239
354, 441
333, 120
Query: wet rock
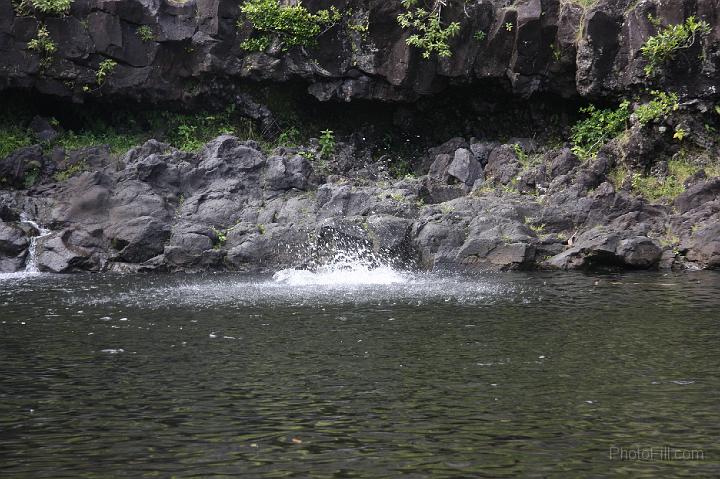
138, 239
67, 251
13, 247
703, 247
601, 248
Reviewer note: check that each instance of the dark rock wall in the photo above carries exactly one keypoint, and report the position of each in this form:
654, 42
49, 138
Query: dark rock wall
553, 46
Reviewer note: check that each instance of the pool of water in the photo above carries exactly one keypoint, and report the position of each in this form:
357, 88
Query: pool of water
374, 373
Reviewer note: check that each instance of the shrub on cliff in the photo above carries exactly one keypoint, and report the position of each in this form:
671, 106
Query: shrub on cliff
430, 34
670, 40
292, 25
600, 126
47, 7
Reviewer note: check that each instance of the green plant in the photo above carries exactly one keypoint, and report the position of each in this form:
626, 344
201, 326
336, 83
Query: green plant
221, 236
13, 137
659, 108
668, 187
292, 25
557, 53
430, 34
520, 153
509, 26
680, 134
479, 35
43, 45
48, 7
31, 176
669, 41
261, 229
70, 171
145, 33
105, 68
327, 143
599, 127
289, 137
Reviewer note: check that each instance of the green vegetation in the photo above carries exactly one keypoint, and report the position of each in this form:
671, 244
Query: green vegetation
659, 108
669, 41
292, 25
47, 7
221, 236
655, 188
145, 33
327, 143
600, 126
70, 171
105, 68
43, 45
430, 34
13, 137
479, 35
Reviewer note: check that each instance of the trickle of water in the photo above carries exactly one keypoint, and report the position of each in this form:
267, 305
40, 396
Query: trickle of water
31, 261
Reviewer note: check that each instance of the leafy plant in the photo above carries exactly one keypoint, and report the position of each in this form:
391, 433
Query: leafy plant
479, 35
70, 171
509, 26
327, 143
48, 7
680, 134
105, 68
430, 34
31, 176
221, 236
293, 25
600, 126
520, 153
43, 45
670, 40
660, 107
145, 33
13, 137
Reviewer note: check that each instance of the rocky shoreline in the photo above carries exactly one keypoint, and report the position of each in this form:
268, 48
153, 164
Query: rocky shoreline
231, 207
578, 134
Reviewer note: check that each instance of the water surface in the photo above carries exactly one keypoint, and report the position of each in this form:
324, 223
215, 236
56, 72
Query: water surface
369, 374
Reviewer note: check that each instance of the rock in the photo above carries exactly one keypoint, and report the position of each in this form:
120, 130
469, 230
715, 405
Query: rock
563, 163
639, 252
503, 165
138, 239
703, 248
43, 130
601, 248
64, 252
465, 168
20, 168
697, 195
286, 173
13, 247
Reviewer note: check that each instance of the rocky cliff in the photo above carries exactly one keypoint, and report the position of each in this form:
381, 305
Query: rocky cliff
517, 180
167, 50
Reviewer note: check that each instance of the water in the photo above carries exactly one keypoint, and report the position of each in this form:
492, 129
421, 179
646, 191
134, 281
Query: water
31, 265
357, 372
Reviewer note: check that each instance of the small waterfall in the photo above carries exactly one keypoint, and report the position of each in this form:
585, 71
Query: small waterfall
31, 261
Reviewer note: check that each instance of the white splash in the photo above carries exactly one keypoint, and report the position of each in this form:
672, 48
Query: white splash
31, 262
345, 268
